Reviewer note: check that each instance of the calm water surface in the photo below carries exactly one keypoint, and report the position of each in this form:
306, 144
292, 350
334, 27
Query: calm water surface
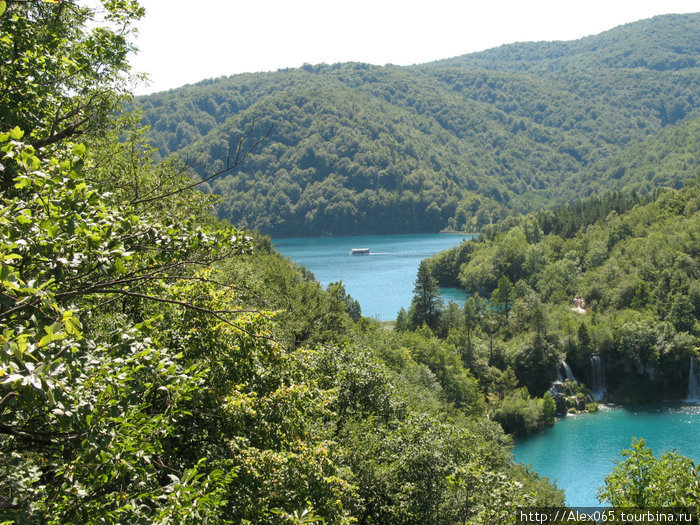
579, 451
383, 281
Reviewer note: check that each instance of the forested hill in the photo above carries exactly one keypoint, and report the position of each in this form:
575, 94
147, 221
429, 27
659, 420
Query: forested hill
644, 44
457, 143
631, 261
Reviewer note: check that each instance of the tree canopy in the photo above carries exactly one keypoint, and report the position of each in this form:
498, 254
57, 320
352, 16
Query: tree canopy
615, 278
643, 480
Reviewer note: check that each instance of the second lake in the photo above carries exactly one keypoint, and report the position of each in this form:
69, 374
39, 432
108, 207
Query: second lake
383, 280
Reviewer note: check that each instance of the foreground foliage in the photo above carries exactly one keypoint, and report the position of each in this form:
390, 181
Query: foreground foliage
138, 387
160, 366
643, 480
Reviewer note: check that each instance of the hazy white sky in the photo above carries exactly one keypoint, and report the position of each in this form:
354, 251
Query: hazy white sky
183, 41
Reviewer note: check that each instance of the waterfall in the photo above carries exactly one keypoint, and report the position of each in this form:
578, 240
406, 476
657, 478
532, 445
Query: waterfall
693, 386
560, 378
567, 371
598, 377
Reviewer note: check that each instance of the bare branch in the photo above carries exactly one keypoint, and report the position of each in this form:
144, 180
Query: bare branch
68, 131
241, 155
218, 314
5, 399
6, 429
184, 304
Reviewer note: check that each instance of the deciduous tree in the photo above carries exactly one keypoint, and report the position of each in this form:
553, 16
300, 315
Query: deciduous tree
644, 480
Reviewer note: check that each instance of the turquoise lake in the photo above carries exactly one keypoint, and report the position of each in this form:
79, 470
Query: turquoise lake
579, 451
383, 280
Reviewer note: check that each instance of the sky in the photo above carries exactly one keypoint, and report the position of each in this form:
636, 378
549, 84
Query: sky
182, 41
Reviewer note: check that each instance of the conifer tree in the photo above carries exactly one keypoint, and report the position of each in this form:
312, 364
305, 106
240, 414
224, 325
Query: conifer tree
426, 305
503, 295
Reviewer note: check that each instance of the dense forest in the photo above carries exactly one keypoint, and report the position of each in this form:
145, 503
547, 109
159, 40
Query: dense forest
160, 365
353, 148
610, 281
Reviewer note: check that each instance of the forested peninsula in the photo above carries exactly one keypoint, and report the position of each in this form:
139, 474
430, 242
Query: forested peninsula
161, 363
353, 148
608, 285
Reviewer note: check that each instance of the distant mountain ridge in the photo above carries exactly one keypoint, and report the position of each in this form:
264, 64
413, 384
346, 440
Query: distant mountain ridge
458, 143
643, 44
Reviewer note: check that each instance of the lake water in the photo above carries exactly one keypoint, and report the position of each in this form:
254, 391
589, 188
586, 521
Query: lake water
579, 451
383, 280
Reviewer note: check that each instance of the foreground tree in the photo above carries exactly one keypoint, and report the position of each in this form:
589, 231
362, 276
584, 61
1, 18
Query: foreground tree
135, 386
76, 273
65, 66
643, 480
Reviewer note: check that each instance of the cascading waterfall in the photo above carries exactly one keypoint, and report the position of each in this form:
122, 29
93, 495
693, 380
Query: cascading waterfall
693, 386
598, 377
567, 371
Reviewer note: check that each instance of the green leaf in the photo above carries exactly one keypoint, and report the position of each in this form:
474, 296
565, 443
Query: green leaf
79, 150
16, 133
13, 378
23, 219
3, 6
23, 182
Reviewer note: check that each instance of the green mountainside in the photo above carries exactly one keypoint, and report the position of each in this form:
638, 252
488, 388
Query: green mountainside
460, 143
662, 43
